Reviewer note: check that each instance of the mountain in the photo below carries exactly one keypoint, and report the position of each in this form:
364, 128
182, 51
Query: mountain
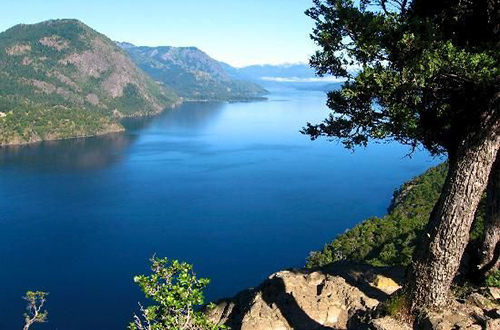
260, 72
191, 73
61, 79
297, 76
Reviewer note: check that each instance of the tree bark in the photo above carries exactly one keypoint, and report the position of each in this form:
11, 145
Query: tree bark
490, 249
494, 18
437, 259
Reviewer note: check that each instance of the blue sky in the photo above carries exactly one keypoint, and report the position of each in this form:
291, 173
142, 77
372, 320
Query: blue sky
239, 32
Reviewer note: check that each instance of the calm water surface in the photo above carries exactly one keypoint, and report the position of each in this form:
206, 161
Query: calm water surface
232, 188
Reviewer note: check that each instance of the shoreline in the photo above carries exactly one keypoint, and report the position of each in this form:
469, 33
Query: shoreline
27, 143
243, 100
121, 129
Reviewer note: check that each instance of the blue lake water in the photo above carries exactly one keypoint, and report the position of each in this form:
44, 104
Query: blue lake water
233, 188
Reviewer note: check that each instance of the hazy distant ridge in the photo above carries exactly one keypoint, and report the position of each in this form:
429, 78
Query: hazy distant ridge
258, 72
191, 73
297, 76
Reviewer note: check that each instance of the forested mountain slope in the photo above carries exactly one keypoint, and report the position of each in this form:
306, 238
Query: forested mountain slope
391, 240
61, 79
192, 73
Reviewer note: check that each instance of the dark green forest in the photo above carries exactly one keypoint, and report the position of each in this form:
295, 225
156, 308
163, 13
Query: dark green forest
391, 240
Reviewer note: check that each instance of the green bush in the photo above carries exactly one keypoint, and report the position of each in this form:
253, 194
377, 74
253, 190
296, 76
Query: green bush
396, 305
176, 292
493, 279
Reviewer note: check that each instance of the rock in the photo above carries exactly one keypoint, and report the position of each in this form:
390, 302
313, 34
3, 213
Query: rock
303, 299
455, 316
55, 42
493, 324
476, 299
386, 284
341, 296
388, 323
92, 99
495, 292
18, 49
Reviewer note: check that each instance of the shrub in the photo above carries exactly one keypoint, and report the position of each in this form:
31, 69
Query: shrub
176, 292
34, 309
493, 279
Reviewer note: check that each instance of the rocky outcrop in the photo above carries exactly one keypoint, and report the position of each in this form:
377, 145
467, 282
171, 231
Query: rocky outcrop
55, 42
476, 313
308, 299
342, 296
18, 49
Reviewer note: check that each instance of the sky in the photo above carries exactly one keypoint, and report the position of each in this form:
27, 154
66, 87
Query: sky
238, 32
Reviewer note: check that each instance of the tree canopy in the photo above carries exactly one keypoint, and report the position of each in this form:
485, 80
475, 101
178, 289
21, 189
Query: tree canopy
428, 70
429, 75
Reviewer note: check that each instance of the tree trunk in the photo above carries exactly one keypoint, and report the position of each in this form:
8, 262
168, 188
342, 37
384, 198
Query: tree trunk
437, 259
494, 17
490, 248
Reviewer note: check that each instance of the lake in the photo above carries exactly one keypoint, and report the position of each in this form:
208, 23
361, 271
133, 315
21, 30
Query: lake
233, 188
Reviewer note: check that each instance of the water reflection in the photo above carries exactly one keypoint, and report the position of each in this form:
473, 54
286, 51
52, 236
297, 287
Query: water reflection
68, 155
97, 153
190, 116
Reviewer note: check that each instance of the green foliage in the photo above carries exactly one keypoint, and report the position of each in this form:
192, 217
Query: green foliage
397, 305
70, 30
428, 70
31, 124
46, 96
391, 240
493, 279
34, 309
130, 101
463, 290
176, 292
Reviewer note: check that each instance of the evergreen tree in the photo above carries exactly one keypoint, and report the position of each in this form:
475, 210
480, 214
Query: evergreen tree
429, 76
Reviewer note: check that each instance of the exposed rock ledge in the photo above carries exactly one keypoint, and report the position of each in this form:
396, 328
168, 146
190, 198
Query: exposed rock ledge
341, 296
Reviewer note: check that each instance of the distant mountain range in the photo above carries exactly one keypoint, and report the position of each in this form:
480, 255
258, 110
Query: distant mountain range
260, 72
192, 74
61, 79
298, 76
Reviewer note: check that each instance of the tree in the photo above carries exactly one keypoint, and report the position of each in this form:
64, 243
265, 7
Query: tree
34, 309
176, 291
429, 76
490, 249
